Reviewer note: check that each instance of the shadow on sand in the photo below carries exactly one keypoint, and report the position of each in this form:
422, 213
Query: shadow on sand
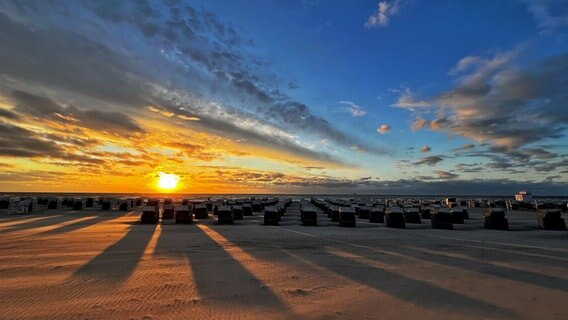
51, 220
418, 292
219, 278
118, 261
101, 217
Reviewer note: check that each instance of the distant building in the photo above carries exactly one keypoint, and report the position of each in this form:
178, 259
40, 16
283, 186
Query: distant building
523, 196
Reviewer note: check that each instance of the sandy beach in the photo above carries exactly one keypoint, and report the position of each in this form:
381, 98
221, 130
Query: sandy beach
95, 264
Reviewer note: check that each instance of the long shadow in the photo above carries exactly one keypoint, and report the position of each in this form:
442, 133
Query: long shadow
512, 256
61, 217
118, 261
414, 291
219, 278
478, 266
411, 290
102, 217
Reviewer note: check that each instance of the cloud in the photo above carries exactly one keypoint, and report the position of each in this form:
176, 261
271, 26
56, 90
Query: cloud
355, 110
430, 160
41, 107
4, 113
497, 103
381, 17
548, 14
465, 147
418, 124
407, 101
358, 149
425, 149
446, 175
384, 129
99, 61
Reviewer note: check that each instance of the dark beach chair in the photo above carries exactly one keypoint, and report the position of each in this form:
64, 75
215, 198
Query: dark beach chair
247, 209
442, 218
335, 214
168, 212
271, 216
460, 214
106, 205
200, 211
238, 212
426, 211
394, 217
494, 218
412, 215
309, 216
183, 214
347, 217
550, 219
364, 212
78, 204
377, 215
150, 214
225, 215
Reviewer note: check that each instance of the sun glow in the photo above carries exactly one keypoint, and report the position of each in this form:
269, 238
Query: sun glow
168, 181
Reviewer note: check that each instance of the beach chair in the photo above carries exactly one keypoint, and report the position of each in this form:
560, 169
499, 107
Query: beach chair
271, 216
442, 218
412, 215
237, 212
168, 212
78, 204
347, 217
364, 212
106, 204
183, 214
550, 219
394, 217
150, 214
377, 215
309, 216
225, 215
247, 209
494, 218
200, 211
459, 214
335, 214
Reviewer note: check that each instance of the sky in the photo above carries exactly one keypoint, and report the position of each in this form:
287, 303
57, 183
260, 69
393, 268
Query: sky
285, 96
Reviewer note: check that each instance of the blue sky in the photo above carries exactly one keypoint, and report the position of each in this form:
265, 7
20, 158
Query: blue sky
314, 96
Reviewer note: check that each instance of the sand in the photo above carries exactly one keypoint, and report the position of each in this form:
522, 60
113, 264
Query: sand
94, 264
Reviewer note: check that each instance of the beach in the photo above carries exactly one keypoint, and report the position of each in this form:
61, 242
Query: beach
94, 264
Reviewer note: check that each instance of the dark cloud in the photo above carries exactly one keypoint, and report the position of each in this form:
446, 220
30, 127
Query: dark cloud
189, 51
446, 175
507, 106
430, 160
19, 142
465, 147
8, 114
42, 107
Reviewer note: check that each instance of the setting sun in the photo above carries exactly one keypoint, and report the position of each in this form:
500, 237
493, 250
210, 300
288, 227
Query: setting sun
167, 181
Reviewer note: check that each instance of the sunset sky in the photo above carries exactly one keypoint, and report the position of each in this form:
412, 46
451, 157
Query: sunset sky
397, 97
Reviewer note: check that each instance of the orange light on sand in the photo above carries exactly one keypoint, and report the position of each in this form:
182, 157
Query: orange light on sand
168, 181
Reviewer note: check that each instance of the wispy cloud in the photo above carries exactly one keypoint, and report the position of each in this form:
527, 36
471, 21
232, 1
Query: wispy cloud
353, 109
430, 160
385, 10
408, 101
549, 15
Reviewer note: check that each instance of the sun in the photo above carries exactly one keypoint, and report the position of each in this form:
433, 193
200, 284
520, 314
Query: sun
168, 181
